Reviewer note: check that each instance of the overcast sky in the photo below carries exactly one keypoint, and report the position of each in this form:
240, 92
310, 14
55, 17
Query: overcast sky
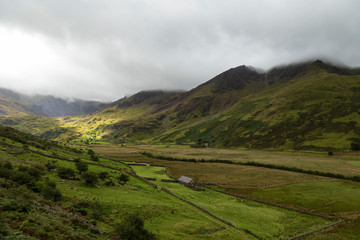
105, 49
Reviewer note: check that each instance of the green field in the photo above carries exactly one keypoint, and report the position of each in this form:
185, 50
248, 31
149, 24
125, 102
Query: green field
311, 193
264, 221
171, 218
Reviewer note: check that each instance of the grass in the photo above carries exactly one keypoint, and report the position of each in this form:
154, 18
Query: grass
164, 214
265, 221
331, 197
339, 163
302, 191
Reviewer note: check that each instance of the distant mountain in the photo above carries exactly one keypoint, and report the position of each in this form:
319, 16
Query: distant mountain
17, 104
50, 106
309, 105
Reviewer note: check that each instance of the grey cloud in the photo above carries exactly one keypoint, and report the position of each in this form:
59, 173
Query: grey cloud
120, 47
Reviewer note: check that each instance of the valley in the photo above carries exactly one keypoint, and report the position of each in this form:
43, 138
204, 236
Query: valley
274, 154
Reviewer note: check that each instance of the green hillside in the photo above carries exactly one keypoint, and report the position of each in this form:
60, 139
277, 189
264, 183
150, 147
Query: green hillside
317, 109
311, 105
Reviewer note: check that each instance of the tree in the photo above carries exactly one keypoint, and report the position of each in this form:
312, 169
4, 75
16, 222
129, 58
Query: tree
132, 228
81, 167
90, 178
123, 178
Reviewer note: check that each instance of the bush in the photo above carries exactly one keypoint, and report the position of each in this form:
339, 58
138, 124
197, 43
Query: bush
4, 228
355, 146
90, 152
50, 166
109, 183
98, 211
51, 193
81, 167
103, 175
132, 228
123, 178
66, 173
94, 158
8, 165
90, 178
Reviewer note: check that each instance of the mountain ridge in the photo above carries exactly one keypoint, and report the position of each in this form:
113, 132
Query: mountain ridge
45, 105
294, 106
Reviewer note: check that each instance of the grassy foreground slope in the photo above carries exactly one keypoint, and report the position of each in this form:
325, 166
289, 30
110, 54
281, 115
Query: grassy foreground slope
30, 176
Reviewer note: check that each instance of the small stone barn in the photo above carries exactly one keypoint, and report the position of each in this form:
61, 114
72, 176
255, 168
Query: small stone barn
186, 181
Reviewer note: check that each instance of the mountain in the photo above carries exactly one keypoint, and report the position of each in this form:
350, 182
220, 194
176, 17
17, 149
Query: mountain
309, 105
17, 104
13, 104
305, 106
49, 106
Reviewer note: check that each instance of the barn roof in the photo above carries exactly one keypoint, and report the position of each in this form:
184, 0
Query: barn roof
185, 179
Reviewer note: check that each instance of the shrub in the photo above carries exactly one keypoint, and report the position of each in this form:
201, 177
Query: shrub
98, 210
8, 165
109, 183
355, 146
132, 228
103, 175
94, 158
90, 178
4, 228
66, 173
50, 166
81, 167
51, 193
90, 152
123, 178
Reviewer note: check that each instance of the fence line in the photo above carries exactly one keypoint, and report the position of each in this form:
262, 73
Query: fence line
210, 213
271, 204
314, 231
